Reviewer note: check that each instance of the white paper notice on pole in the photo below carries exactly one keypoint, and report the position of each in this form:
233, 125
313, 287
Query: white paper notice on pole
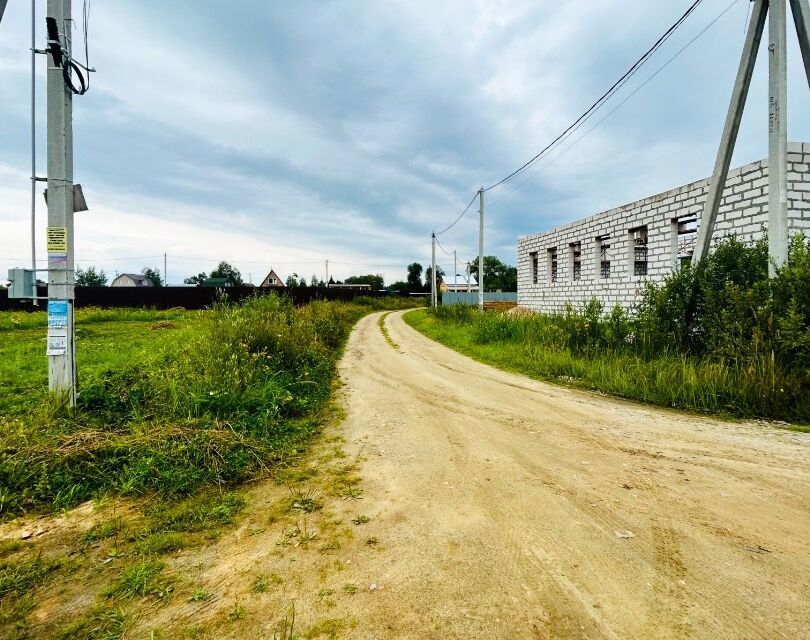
57, 345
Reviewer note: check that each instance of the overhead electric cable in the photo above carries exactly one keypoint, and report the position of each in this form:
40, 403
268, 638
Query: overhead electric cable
460, 216
604, 97
539, 169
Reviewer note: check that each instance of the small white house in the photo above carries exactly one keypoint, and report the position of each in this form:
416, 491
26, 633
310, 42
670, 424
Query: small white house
132, 280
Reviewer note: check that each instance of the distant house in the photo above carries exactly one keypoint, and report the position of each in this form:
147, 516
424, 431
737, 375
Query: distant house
448, 283
217, 282
132, 280
272, 280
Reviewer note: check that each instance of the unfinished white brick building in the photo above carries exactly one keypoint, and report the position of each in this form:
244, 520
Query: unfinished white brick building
610, 255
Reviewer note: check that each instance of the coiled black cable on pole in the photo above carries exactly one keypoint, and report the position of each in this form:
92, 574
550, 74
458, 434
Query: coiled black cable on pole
61, 58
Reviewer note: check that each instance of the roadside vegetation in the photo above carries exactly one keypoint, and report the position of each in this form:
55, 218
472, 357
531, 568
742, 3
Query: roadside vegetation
721, 337
176, 410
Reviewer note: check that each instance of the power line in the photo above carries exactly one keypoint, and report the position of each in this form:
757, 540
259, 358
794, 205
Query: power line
449, 253
539, 169
460, 216
605, 96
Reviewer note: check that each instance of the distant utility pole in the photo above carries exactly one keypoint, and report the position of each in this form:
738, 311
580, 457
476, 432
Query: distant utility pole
165, 271
776, 11
433, 297
481, 248
455, 271
61, 344
469, 278
327, 273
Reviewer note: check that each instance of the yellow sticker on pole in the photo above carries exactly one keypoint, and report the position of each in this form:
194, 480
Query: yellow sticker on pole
57, 240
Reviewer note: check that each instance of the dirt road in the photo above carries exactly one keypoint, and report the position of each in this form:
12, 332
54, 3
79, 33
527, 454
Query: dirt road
508, 508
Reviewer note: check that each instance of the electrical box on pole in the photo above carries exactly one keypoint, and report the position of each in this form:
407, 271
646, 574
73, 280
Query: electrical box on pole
21, 283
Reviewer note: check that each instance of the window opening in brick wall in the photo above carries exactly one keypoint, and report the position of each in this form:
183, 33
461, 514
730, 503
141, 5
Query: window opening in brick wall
638, 239
603, 254
552, 264
576, 260
687, 237
535, 266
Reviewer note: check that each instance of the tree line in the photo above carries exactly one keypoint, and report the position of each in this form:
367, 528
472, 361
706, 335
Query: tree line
497, 276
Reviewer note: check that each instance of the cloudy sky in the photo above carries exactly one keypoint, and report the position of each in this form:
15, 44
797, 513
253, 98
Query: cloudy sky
285, 134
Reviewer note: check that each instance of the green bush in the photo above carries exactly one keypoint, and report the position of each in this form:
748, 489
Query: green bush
721, 337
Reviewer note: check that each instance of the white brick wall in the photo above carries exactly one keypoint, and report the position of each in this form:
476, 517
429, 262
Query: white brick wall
743, 212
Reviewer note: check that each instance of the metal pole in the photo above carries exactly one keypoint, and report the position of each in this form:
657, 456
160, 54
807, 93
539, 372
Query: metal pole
801, 16
481, 248
33, 144
61, 344
777, 136
730, 130
433, 297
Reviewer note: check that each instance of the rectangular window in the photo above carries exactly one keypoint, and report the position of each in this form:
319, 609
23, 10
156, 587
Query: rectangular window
603, 255
552, 264
638, 247
534, 266
575, 249
685, 229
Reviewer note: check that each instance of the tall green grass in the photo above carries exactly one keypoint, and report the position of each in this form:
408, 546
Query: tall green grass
236, 395
721, 338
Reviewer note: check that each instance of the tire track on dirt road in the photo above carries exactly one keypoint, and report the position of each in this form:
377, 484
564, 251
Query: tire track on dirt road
509, 508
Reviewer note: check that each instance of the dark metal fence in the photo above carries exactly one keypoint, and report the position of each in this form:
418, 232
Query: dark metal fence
185, 297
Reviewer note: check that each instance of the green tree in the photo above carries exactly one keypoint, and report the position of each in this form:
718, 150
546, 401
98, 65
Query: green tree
414, 277
153, 275
314, 281
198, 279
229, 272
90, 277
400, 287
429, 278
375, 280
292, 280
497, 275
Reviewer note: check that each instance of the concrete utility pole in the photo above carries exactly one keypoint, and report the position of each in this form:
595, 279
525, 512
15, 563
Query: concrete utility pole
469, 278
327, 273
455, 271
433, 297
165, 271
61, 344
481, 248
777, 136
776, 11
801, 17
33, 142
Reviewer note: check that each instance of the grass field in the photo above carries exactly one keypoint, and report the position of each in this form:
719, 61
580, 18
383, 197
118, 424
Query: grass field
694, 384
175, 411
